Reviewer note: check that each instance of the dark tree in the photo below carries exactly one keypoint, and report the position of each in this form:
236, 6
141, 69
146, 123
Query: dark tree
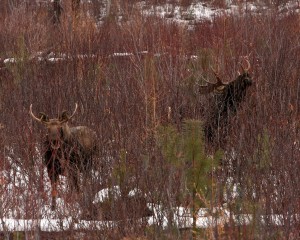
56, 11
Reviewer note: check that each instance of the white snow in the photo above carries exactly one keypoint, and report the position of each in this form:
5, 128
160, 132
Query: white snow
181, 219
135, 192
10, 60
115, 193
121, 54
57, 221
106, 193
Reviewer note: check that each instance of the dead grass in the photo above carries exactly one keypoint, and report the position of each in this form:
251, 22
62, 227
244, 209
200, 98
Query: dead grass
125, 98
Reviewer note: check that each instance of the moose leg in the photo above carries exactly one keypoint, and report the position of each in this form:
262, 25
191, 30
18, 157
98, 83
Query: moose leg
54, 196
74, 179
54, 183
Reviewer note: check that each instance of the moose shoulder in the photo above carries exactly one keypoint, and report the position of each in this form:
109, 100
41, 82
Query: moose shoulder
226, 101
67, 150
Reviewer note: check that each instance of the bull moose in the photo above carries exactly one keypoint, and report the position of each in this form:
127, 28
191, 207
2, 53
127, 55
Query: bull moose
67, 150
227, 98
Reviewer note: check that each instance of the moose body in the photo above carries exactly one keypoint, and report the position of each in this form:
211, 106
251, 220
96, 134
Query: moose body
67, 150
227, 99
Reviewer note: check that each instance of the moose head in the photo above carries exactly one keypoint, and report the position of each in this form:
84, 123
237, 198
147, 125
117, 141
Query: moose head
58, 128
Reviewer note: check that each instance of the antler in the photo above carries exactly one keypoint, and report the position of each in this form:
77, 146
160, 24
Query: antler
68, 118
248, 65
33, 116
76, 105
212, 86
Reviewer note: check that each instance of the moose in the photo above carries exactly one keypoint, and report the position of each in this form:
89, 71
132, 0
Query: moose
67, 150
227, 99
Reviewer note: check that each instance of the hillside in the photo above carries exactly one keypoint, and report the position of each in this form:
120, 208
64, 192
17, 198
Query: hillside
183, 150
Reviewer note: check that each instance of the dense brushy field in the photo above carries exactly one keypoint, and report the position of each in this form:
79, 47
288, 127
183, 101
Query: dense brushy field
127, 98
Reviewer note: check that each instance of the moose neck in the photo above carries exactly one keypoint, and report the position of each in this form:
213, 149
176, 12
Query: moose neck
66, 132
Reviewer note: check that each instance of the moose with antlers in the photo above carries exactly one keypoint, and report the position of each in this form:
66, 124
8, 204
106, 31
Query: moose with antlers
227, 99
67, 150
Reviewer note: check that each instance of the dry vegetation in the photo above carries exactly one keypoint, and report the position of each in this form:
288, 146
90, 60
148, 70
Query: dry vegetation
125, 99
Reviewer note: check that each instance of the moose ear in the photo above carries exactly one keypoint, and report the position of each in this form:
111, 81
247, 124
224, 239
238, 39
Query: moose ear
43, 117
64, 116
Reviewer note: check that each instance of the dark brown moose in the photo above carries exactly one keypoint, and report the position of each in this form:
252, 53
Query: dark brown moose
67, 150
227, 98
